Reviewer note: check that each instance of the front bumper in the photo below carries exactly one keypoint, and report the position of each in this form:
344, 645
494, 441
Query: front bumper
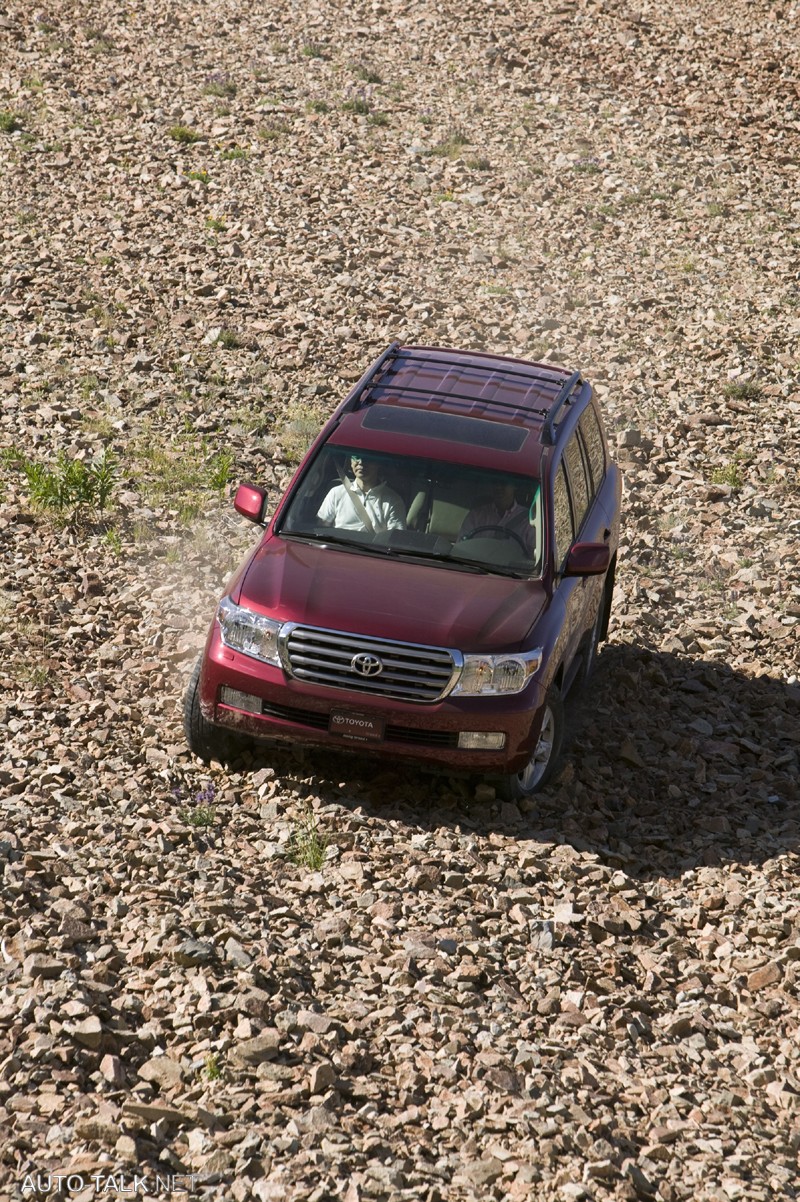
301, 713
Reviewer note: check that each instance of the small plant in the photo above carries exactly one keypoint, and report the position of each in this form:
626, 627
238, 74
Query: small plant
715, 209
587, 167
742, 390
368, 74
9, 122
450, 146
317, 106
113, 541
220, 468
730, 474
479, 164
202, 813
217, 224
229, 340
233, 153
357, 105
201, 176
314, 50
444, 197
218, 85
70, 484
183, 135
211, 1068
379, 119
307, 843
179, 474
269, 133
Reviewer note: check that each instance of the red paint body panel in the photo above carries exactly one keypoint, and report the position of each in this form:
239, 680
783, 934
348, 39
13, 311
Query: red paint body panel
389, 598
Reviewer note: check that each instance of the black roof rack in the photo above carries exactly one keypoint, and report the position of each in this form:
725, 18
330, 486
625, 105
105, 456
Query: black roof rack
562, 398
446, 397
501, 369
371, 380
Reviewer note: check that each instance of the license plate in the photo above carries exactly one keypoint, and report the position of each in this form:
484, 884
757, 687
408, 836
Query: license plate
358, 728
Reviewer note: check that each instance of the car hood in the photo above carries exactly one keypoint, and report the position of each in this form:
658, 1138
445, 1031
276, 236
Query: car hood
389, 598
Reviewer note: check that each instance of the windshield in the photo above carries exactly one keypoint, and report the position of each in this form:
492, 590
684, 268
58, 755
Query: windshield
419, 508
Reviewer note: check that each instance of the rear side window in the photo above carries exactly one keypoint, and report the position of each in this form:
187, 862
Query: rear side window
562, 517
580, 487
593, 441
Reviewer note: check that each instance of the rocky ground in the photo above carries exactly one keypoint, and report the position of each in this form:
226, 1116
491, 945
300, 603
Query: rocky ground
312, 979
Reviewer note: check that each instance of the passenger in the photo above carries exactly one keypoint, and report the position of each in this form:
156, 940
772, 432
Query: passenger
366, 504
503, 512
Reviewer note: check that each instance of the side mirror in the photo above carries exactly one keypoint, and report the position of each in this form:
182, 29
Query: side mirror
588, 559
250, 501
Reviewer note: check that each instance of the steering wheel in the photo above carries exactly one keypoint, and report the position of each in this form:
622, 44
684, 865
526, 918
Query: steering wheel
498, 530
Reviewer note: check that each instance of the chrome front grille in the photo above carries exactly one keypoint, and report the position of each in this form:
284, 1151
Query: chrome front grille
408, 671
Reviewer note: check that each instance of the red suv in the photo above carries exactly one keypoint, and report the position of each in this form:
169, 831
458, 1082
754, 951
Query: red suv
435, 580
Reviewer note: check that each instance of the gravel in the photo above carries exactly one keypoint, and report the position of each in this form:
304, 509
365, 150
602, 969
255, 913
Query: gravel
215, 217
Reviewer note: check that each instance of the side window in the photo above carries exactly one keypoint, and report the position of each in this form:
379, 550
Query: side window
593, 441
562, 517
579, 486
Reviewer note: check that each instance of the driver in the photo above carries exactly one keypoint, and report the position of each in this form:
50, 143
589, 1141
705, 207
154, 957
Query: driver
365, 503
503, 512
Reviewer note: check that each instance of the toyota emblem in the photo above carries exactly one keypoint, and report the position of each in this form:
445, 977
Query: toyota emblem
366, 665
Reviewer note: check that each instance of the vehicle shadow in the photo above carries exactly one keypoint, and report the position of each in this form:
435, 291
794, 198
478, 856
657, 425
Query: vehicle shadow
671, 764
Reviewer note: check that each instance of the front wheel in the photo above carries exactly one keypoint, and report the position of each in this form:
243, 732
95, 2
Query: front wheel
205, 739
539, 770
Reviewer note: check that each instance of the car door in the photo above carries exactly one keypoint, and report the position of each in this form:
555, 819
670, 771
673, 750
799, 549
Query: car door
588, 522
568, 597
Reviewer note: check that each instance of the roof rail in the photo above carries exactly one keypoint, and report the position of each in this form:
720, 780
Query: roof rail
369, 377
563, 396
493, 366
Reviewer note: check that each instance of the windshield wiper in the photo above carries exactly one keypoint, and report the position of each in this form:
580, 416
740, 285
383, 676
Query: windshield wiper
495, 569
447, 561
310, 536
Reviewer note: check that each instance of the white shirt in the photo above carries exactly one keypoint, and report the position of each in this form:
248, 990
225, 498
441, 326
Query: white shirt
384, 506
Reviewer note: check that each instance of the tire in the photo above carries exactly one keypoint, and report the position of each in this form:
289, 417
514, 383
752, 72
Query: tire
205, 740
539, 770
592, 644
599, 630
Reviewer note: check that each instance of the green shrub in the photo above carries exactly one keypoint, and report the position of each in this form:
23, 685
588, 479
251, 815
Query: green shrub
70, 483
450, 147
358, 106
9, 121
307, 843
219, 85
368, 74
200, 816
181, 473
183, 135
730, 474
742, 390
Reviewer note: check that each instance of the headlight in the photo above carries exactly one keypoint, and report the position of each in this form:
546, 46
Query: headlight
484, 675
249, 632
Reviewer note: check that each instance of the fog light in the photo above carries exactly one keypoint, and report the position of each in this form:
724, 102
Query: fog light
482, 740
240, 701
